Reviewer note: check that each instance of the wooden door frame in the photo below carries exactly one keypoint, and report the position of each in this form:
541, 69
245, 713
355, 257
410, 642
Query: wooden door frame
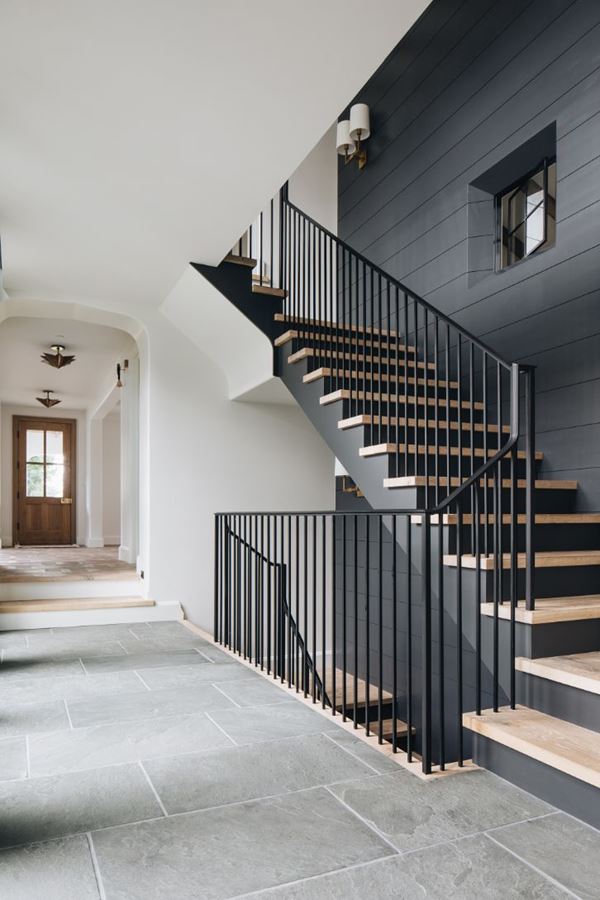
17, 419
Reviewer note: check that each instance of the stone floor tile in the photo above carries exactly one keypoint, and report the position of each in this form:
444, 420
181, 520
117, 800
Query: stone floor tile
369, 755
105, 745
55, 870
21, 669
13, 759
202, 780
30, 718
223, 852
148, 705
470, 869
562, 847
268, 723
256, 692
164, 676
74, 687
413, 813
39, 809
141, 660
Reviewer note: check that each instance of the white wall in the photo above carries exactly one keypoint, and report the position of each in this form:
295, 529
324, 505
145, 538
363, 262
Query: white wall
209, 454
313, 186
6, 464
111, 479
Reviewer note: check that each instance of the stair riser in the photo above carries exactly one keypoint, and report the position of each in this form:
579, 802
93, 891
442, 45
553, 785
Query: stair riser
558, 581
381, 434
546, 501
559, 700
576, 797
353, 407
331, 383
548, 537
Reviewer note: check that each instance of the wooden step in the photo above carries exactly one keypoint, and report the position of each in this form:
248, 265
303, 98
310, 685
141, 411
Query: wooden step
412, 481
544, 559
387, 727
326, 339
72, 604
441, 425
310, 352
554, 742
383, 449
550, 609
361, 690
303, 322
577, 670
345, 394
540, 519
326, 372
269, 291
240, 260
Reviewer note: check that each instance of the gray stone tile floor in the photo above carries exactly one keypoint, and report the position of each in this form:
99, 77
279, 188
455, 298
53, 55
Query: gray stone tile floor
139, 761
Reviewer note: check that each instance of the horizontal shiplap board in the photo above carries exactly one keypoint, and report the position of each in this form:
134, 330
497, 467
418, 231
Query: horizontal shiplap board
450, 106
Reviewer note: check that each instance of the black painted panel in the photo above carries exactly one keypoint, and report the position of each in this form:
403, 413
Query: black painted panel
466, 87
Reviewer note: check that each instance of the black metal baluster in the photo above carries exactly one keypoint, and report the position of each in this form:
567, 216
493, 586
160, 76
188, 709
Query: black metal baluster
478, 610
305, 629
323, 609
426, 700
395, 624
334, 608
380, 631
314, 609
368, 623
355, 557
409, 690
344, 615
459, 629
441, 658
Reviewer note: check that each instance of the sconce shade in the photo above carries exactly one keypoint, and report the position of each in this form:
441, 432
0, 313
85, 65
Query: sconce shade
344, 142
359, 122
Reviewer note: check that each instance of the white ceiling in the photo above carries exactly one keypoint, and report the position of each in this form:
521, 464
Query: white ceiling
23, 375
141, 134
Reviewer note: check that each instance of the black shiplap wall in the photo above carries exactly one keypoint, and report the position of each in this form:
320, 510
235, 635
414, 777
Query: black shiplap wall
470, 83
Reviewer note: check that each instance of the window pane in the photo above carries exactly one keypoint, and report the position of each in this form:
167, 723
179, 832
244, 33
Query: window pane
34, 446
54, 481
35, 480
54, 447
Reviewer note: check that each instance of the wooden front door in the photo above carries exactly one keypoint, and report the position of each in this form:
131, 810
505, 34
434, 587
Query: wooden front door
44, 481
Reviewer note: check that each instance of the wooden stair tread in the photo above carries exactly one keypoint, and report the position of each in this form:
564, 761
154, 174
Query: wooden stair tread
293, 334
541, 484
569, 748
326, 372
345, 394
361, 690
577, 670
240, 260
365, 419
352, 356
269, 291
328, 323
72, 603
540, 519
550, 609
387, 728
383, 449
544, 559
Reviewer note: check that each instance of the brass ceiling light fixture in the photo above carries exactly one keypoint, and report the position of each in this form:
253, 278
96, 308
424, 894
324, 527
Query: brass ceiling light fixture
48, 401
57, 359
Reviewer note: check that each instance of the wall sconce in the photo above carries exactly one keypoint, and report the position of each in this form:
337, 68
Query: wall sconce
119, 382
351, 132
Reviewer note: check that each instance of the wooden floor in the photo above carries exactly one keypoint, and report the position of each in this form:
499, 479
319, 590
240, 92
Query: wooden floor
559, 744
25, 564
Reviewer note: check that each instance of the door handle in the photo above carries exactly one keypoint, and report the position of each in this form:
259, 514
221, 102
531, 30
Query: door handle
66, 501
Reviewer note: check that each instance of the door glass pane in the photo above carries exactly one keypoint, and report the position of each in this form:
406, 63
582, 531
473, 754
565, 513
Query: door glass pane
54, 447
54, 481
35, 480
34, 446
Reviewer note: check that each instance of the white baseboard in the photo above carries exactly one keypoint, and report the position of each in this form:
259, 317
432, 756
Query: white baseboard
161, 612
94, 543
112, 540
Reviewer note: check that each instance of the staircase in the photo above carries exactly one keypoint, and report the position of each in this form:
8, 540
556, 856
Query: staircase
438, 435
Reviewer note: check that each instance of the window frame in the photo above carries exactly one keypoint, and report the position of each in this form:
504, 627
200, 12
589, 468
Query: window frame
543, 166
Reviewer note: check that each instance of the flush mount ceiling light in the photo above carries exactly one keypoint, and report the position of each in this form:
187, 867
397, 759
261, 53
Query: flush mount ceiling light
47, 401
350, 133
57, 359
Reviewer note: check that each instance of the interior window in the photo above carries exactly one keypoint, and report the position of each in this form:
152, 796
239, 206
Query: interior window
526, 216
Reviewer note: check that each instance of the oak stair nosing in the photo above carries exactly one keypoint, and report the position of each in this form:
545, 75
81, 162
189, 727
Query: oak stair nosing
339, 326
75, 604
387, 448
549, 610
412, 481
241, 260
544, 559
293, 335
398, 362
440, 424
553, 742
451, 519
269, 291
411, 400
577, 670
327, 372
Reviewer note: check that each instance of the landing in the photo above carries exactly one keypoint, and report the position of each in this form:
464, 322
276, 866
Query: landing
141, 762
62, 564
